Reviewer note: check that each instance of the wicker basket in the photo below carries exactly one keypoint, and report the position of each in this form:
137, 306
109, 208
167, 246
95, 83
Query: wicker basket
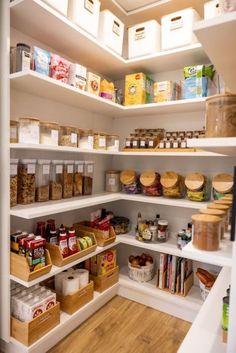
141, 274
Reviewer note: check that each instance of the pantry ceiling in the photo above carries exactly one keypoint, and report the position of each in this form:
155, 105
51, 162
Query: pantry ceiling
132, 5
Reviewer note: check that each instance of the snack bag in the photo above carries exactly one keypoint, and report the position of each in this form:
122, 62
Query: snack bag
59, 68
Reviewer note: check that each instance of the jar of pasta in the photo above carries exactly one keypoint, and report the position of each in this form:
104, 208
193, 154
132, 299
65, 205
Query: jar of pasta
113, 181
14, 131
130, 182
113, 143
26, 181
49, 133
198, 187
28, 130
86, 139
222, 185
68, 178
78, 178
88, 177
68, 136
206, 232
150, 181
13, 182
173, 185
218, 213
42, 180
56, 180
100, 141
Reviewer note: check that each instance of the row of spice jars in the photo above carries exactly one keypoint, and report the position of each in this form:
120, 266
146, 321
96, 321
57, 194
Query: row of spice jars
33, 131
34, 180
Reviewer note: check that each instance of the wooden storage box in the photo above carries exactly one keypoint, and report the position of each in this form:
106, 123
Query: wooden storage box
99, 234
30, 331
187, 284
73, 302
59, 260
101, 283
20, 268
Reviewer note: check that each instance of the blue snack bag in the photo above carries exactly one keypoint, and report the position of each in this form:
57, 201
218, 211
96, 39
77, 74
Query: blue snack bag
42, 60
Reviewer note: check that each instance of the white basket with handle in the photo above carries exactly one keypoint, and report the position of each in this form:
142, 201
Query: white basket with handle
142, 273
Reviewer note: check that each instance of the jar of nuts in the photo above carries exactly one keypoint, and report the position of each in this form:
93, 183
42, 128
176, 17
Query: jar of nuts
42, 180
68, 175
56, 180
69, 136
13, 182
26, 181
100, 141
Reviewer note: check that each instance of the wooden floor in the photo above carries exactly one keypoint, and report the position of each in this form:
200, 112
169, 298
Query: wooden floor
123, 326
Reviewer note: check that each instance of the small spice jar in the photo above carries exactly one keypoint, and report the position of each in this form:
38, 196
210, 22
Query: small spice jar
222, 185
49, 133
152, 142
206, 232
68, 171
78, 178
42, 180
150, 181
130, 182
218, 213
113, 143
143, 142
88, 177
100, 141
162, 231
113, 181
198, 187
13, 182
173, 185
28, 130
26, 181
128, 142
68, 136
86, 139
135, 142
14, 131
56, 180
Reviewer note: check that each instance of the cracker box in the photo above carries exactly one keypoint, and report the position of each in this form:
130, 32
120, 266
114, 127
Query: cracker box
93, 83
166, 91
35, 253
104, 262
138, 89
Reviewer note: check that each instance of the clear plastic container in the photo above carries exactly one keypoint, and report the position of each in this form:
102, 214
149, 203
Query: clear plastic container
206, 232
221, 116
100, 141
28, 131
56, 180
68, 136
173, 185
113, 181
113, 143
88, 178
26, 181
14, 131
49, 133
42, 180
86, 139
198, 187
13, 182
68, 178
78, 178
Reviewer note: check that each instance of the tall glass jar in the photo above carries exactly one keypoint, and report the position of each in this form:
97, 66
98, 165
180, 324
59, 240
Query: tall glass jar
26, 181
49, 133
68, 176
78, 178
13, 182
113, 181
68, 136
88, 178
113, 143
42, 180
14, 131
28, 131
100, 141
56, 180
86, 139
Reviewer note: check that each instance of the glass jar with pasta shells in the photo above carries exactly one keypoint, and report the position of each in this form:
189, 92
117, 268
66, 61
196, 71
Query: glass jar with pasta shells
14, 131
68, 179
100, 141
26, 181
42, 180
56, 180
49, 133
86, 139
78, 178
13, 182
173, 185
68, 136
198, 187
113, 143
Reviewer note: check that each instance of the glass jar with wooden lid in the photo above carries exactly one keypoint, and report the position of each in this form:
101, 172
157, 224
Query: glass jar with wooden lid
100, 141
49, 133
225, 208
28, 130
143, 141
113, 143
222, 185
218, 213
69, 136
173, 184
198, 187
152, 142
130, 182
206, 232
150, 181
86, 139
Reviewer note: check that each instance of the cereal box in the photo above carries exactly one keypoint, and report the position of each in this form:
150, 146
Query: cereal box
138, 89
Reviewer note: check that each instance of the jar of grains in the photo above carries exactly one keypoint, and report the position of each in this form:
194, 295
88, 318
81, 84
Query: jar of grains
150, 181
49, 133
42, 180
28, 130
173, 185
100, 141
78, 178
198, 187
206, 232
86, 139
56, 180
68, 136
26, 181
222, 185
113, 181
68, 178
13, 182
88, 178
14, 131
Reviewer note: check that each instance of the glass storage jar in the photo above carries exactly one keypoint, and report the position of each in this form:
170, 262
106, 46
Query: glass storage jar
135, 141
26, 181
113, 181
173, 185
113, 143
121, 225
14, 131
206, 232
100, 141
88, 178
13, 182
222, 185
28, 130
42, 180
68, 179
56, 180
152, 142
218, 213
143, 142
150, 181
78, 178
130, 182
23, 57
198, 187
162, 231
49, 133
68, 136
86, 139
225, 208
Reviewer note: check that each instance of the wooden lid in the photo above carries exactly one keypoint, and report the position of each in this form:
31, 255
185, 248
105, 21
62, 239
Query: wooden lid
194, 181
218, 96
227, 197
206, 218
223, 182
213, 212
148, 177
127, 177
223, 202
169, 179
218, 206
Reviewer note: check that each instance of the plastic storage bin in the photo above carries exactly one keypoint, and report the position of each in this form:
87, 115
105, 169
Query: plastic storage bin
177, 29
144, 39
49, 133
56, 180
42, 180
85, 13
211, 9
111, 31
61, 5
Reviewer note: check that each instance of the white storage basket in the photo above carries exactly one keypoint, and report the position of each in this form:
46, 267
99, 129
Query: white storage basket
203, 290
142, 274
59, 5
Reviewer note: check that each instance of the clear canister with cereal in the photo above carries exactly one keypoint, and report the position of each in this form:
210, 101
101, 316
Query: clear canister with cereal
56, 180
13, 182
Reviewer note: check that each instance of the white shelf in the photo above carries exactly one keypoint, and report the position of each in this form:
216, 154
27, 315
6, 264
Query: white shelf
205, 334
147, 293
55, 269
222, 145
34, 83
219, 42
90, 51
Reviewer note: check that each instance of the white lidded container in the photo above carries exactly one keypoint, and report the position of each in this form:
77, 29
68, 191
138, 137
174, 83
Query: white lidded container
177, 29
59, 5
211, 9
111, 31
85, 13
144, 39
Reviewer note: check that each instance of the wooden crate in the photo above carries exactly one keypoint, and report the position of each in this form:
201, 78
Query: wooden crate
99, 234
20, 267
187, 284
59, 260
73, 302
30, 331
101, 283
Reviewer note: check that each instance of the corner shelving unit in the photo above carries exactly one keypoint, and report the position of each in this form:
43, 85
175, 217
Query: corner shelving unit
221, 145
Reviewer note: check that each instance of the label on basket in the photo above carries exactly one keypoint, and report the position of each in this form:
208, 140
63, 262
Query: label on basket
46, 168
176, 23
140, 33
59, 169
89, 5
116, 28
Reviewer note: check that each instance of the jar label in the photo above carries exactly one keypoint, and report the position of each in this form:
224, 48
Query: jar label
116, 28
142, 143
102, 142
13, 133
150, 143
162, 234
140, 33
127, 144
90, 168
167, 144
26, 58
59, 169
13, 169
112, 181
175, 144
135, 143
30, 168
80, 168
54, 135
89, 5
161, 145
90, 141
117, 144
176, 23
46, 169
70, 169
73, 137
